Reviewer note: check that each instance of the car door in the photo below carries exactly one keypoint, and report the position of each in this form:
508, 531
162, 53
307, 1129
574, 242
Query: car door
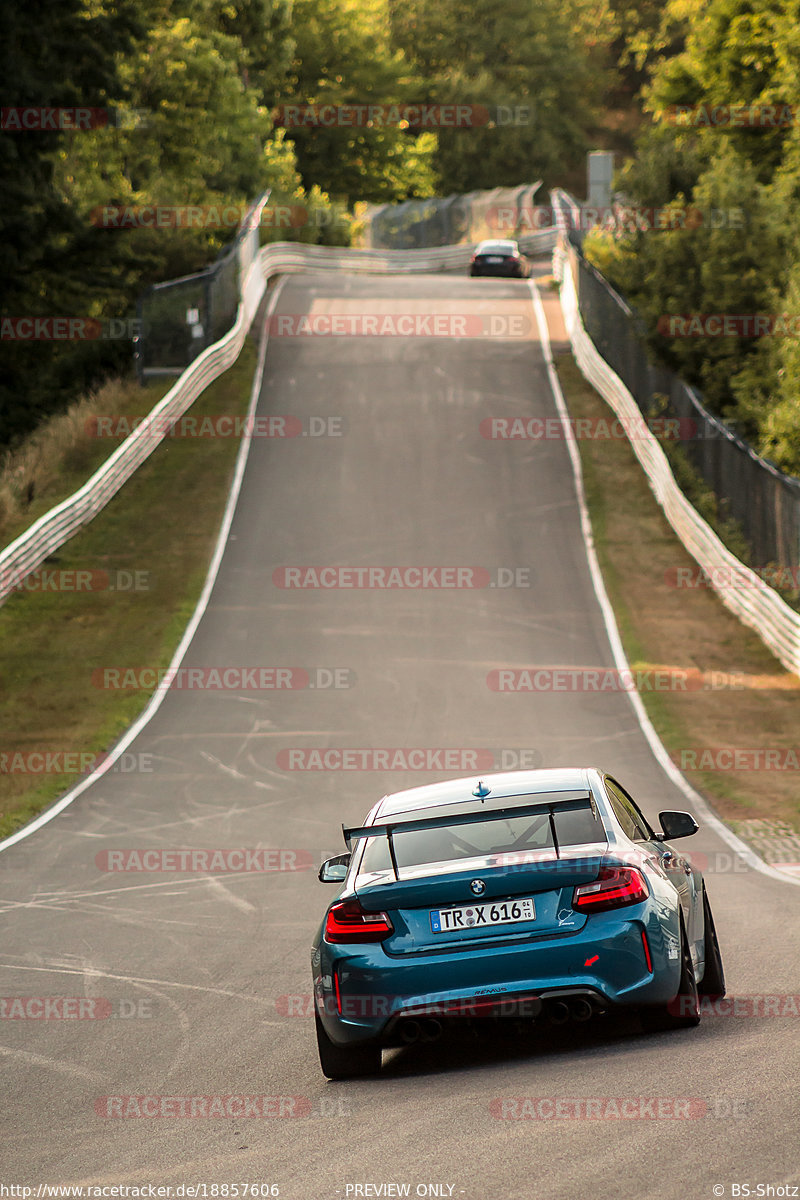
675, 865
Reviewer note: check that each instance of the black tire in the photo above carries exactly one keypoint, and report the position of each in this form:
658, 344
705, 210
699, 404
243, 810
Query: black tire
713, 981
683, 1011
346, 1062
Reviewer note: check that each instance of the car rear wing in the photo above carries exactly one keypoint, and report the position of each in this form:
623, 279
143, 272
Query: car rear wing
497, 810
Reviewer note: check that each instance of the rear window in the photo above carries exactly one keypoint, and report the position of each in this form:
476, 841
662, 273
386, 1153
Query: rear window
513, 835
505, 248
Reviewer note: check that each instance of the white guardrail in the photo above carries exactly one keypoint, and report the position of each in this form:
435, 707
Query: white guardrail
61, 523
742, 590
739, 588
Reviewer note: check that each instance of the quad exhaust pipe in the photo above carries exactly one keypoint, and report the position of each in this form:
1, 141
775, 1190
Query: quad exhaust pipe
561, 1011
557, 1011
581, 1010
427, 1030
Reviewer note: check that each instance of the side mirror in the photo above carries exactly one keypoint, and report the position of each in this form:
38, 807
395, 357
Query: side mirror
677, 825
334, 870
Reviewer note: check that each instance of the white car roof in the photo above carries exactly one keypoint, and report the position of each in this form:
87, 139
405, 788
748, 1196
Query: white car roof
505, 247
569, 780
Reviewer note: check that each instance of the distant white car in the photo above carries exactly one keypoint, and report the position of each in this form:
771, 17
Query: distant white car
502, 258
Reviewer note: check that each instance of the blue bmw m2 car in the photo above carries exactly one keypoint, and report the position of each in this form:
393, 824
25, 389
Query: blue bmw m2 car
537, 895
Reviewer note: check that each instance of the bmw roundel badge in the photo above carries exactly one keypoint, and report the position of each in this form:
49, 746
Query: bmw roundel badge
477, 887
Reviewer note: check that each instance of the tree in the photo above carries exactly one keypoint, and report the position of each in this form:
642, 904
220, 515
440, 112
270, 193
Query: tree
60, 55
742, 179
534, 69
342, 57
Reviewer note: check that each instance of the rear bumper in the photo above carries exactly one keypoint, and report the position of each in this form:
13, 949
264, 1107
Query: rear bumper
361, 993
498, 272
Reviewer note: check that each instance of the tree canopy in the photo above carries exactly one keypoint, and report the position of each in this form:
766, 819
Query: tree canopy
724, 144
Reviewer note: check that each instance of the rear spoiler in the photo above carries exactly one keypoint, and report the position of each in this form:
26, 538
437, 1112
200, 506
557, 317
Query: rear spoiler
471, 817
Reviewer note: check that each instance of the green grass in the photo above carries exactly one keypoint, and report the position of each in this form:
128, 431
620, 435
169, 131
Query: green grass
61, 454
163, 524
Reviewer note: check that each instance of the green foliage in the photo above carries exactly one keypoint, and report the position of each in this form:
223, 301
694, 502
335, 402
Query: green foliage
342, 55
607, 252
62, 55
194, 84
780, 425
187, 80
735, 55
738, 186
650, 30
511, 55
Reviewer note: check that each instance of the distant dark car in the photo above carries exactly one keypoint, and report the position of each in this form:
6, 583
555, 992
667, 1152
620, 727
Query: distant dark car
500, 258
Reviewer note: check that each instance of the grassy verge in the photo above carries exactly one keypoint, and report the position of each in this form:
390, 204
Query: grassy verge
757, 711
146, 555
61, 454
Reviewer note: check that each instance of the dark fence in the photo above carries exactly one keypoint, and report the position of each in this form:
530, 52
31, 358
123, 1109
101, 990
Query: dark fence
179, 319
763, 500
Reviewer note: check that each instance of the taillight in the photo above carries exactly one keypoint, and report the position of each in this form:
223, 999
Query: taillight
347, 921
613, 888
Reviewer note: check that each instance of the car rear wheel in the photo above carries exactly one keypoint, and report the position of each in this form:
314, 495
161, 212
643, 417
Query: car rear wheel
683, 1011
713, 981
346, 1062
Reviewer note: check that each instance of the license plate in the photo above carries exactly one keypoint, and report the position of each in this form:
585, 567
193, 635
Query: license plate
471, 916
492, 259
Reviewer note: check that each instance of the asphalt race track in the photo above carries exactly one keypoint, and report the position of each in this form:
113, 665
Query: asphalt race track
200, 978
